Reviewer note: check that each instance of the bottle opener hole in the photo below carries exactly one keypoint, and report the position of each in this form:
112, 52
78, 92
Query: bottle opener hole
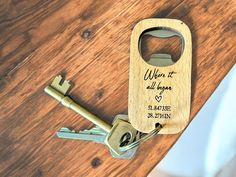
160, 46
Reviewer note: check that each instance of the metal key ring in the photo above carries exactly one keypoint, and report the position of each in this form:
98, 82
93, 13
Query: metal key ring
142, 139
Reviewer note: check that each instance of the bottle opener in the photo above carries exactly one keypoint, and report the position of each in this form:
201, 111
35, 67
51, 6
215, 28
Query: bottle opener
159, 89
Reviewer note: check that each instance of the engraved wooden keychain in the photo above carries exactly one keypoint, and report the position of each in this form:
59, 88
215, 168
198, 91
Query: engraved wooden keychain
160, 94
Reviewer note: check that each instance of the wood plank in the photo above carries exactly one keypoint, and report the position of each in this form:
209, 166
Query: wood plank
89, 43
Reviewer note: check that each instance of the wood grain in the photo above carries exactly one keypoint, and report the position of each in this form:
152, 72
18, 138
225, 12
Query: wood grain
88, 41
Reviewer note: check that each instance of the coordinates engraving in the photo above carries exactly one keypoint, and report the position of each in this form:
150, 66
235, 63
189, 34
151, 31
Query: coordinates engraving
152, 76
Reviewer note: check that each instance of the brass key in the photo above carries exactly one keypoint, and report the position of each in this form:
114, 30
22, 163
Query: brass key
120, 134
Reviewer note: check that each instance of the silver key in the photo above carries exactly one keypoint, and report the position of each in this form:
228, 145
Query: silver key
97, 135
94, 134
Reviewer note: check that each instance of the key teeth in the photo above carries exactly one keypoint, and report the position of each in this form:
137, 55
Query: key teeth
57, 80
95, 130
64, 129
64, 87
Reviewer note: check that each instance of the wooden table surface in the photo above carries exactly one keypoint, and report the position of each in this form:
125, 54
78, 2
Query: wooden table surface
88, 42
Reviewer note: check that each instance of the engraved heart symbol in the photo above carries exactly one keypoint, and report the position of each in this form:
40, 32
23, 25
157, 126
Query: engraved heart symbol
158, 98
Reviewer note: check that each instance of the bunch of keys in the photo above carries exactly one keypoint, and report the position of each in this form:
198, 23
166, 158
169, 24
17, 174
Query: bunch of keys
159, 94
120, 137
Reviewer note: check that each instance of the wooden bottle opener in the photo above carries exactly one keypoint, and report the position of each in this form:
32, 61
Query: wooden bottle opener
160, 94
